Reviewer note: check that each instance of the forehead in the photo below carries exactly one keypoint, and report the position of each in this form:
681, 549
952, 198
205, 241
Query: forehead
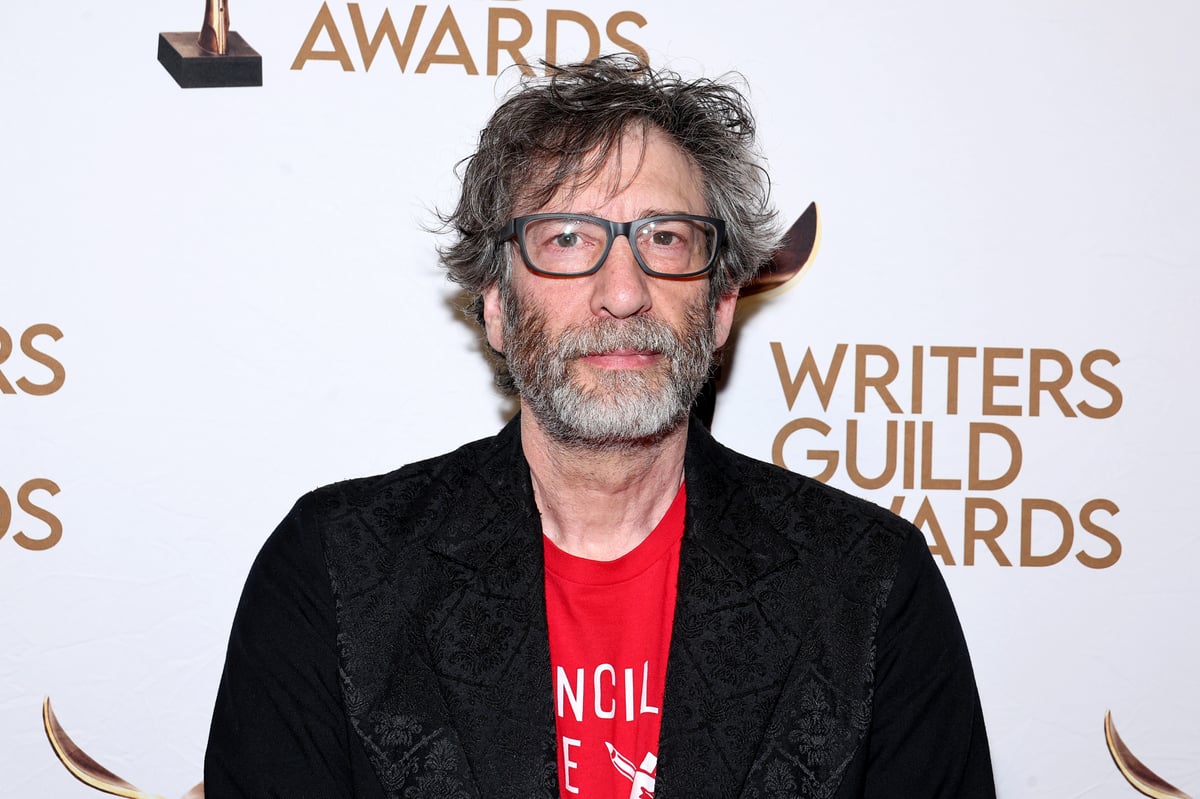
644, 172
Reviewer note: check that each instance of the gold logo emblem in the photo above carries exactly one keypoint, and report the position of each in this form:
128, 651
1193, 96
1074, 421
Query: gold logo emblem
1134, 770
87, 770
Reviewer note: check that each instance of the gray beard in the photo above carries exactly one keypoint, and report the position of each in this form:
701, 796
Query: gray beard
624, 408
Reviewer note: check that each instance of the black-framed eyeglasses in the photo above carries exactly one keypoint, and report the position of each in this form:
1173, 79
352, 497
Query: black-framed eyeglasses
574, 245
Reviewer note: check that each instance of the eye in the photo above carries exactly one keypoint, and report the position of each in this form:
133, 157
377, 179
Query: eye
563, 234
566, 239
666, 234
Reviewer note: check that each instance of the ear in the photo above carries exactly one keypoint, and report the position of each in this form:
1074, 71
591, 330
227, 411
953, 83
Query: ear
492, 317
724, 316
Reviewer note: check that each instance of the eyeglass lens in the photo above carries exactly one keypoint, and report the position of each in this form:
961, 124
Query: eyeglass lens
568, 245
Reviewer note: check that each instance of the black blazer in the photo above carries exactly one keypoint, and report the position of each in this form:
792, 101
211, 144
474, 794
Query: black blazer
392, 642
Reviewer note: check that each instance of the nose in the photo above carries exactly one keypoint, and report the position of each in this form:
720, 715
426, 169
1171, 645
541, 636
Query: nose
620, 289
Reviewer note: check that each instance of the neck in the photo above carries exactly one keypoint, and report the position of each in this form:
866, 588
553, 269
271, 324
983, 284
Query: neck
600, 504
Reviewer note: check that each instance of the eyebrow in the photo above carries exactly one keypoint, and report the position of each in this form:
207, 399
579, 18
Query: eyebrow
645, 213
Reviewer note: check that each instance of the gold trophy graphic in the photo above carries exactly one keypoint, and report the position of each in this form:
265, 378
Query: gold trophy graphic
795, 256
216, 57
1134, 770
87, 770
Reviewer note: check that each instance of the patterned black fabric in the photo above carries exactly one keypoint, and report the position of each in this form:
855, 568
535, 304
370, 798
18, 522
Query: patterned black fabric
815, 651
437, 576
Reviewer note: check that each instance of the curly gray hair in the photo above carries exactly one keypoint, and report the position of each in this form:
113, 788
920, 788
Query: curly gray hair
558, 132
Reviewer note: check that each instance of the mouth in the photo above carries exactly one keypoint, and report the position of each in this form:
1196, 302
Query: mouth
622, 358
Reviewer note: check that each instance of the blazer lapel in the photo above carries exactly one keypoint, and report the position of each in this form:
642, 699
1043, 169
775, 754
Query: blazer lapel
487, 633
445, 662
730, 650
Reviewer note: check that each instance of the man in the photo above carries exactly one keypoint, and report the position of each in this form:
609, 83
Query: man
601, 601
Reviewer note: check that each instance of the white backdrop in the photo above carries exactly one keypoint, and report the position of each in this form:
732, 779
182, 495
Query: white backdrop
228, 297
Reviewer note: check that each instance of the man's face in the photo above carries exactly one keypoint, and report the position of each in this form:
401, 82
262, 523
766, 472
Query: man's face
617, 357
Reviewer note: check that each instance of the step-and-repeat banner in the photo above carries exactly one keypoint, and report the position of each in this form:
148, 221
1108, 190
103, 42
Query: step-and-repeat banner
215, 299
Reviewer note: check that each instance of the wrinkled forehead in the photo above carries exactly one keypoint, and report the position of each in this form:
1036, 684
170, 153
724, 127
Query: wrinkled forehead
553, 179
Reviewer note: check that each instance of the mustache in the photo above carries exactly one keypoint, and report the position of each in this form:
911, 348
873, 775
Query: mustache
638, 333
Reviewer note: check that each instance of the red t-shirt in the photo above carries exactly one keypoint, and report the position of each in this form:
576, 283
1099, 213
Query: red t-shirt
610, 630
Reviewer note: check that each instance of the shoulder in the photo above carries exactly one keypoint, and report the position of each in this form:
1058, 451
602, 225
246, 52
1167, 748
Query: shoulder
406, 492
456, 507
801, 508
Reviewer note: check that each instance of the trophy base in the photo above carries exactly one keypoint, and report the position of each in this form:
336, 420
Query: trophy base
194, 68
